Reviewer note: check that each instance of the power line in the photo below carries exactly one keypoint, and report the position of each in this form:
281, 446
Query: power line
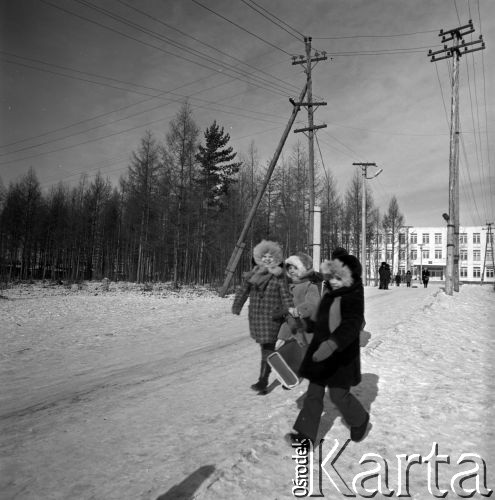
170, 100
345, 37
209, 59
202, 42
240, 27
250, 5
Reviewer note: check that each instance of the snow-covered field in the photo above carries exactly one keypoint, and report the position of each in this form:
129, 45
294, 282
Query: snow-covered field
132, 394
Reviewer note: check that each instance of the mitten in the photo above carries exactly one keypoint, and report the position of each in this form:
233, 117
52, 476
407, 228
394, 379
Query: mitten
236, 310
325, 350
294, 312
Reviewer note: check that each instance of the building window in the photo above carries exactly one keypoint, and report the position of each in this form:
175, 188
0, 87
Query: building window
476, 238
389, 238
463, 238
389, 254
380, 239
438, 238
476, 272
463, 272
402, 255
414, 238
414, 254
463, 254
489, 272
477, 255
438, 253
402, 238
426, 239
426, 254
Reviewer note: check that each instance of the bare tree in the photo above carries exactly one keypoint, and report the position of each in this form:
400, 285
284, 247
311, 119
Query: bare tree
392, 221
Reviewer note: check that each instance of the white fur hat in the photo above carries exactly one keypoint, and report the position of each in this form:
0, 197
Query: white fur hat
301, 261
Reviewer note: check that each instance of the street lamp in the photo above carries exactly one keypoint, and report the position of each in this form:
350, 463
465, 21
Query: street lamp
364, 169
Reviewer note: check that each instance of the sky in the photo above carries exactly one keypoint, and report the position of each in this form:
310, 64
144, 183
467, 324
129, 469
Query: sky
82, 81
126, 395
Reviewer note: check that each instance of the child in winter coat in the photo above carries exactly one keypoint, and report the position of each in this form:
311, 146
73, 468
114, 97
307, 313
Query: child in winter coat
267, 289
333, 357
305, 295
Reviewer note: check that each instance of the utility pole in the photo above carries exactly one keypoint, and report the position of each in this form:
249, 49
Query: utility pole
407, 246
455, 51
308, 62
420, 245
489, 239
364, 169
239, 247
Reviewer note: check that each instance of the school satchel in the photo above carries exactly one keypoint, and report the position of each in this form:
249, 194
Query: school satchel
286, 362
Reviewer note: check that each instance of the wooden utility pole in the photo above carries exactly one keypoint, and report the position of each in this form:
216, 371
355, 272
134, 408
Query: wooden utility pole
455, 51
489, 239
364, 169
308, 62
239, 247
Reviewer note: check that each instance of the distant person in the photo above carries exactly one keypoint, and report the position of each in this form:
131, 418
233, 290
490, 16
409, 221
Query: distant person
408, 279
384, 273
267, 288
398, 279
425, 277
333, 357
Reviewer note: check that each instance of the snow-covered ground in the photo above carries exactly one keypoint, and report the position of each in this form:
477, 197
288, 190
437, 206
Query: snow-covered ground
128, 394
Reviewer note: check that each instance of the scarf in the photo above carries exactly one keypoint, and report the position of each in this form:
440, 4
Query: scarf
261, 275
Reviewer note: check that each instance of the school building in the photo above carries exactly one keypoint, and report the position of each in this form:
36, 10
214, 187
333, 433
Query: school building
417, 248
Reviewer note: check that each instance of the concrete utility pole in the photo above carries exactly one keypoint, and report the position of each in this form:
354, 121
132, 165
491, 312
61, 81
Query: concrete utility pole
364, 169
420, 245
308, 62
407, 246
489, 239
456, 50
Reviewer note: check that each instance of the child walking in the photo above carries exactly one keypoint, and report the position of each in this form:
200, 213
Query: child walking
305, 295
267, 289
333, 357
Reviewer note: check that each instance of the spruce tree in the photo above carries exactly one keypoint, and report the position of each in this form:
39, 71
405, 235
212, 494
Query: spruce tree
217, 166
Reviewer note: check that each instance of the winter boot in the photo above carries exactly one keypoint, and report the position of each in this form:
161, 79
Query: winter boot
358, 432
262, 383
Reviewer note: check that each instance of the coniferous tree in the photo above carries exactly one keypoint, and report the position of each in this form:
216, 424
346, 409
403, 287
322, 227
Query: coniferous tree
217, 172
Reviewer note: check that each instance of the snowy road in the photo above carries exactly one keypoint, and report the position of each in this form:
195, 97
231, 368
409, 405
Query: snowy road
142, 397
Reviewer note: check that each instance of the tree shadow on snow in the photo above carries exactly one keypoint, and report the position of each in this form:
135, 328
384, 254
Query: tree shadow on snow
366, 392
186, 488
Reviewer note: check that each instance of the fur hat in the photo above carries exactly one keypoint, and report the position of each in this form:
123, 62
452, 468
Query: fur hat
338, 252
353, 264
267, 246
347, 267
301, 261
